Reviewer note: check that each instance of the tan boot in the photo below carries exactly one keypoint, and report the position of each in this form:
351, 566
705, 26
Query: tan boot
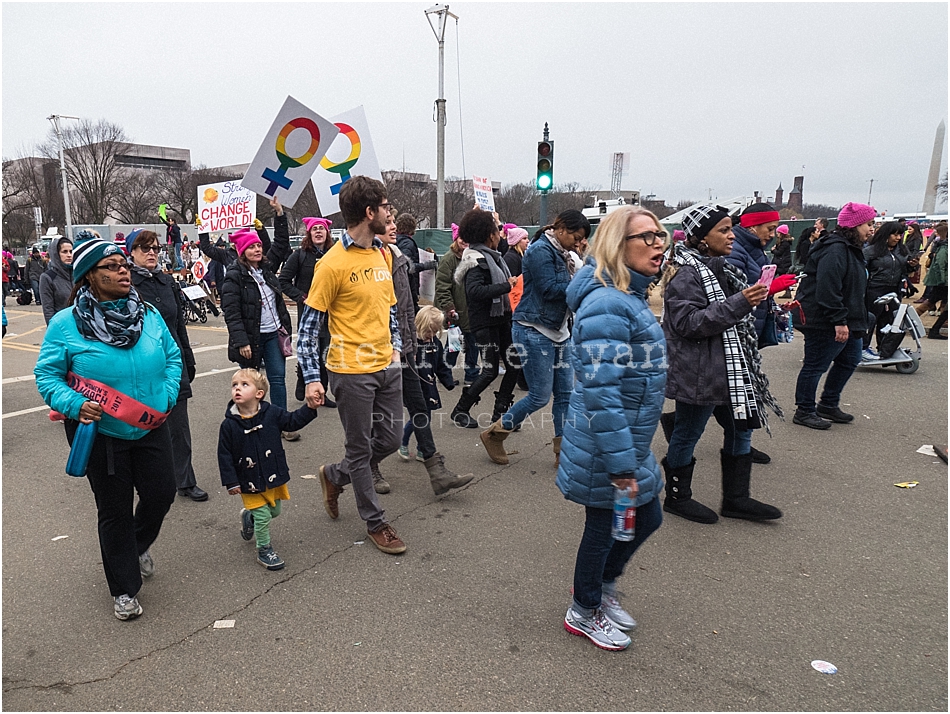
494, 440
441, 478
557, 450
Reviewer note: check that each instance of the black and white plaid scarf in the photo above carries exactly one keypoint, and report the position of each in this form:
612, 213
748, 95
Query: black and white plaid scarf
112, 323
748, 384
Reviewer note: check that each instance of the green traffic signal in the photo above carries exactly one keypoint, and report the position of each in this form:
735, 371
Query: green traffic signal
545, 178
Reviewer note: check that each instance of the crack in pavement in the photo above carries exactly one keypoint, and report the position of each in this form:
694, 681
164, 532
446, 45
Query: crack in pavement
67, 686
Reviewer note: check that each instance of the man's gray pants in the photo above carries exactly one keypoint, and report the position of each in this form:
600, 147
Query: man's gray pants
370, 408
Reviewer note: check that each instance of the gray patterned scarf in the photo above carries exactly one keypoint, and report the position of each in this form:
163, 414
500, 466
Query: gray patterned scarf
498, 269
117, 323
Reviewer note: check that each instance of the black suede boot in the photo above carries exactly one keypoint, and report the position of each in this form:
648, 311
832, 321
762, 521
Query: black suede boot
679, 495
460, 414
736, 503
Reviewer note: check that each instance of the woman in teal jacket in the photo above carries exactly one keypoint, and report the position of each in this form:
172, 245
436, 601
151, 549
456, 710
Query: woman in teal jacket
110, 359
619, 359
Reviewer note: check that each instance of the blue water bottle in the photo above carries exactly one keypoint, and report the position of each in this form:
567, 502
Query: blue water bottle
82, 447
625, 515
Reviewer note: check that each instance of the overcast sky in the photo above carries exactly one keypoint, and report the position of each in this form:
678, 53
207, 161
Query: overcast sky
727, 97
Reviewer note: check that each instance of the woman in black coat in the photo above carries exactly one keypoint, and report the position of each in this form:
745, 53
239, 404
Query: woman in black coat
160, 290
256, 316
295, 279
888, 266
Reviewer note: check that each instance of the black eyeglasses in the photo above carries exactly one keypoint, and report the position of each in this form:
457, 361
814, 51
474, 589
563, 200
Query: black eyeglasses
387, 206
113, 267
650, 237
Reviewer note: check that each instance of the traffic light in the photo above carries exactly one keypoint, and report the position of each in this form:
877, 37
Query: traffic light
545, 180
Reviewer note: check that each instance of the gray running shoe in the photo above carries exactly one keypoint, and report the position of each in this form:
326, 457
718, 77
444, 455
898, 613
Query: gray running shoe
247, 524
127, 607
380, 484
146, 565
269, 559
616, 614
598, 629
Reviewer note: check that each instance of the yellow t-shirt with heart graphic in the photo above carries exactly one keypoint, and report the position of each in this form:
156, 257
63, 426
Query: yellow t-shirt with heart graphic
354, 287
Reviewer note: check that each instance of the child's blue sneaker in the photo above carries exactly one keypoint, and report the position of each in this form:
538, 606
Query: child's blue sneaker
269, 559
419, 456
404, 453
247, 524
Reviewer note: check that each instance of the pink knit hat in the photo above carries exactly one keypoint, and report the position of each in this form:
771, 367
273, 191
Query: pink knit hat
516, 235
678, 235
311, 222
854, 214
783, 229
455, 232
244, 238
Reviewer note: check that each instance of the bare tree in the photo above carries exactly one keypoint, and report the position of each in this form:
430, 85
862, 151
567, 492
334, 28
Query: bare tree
519, 203
29, 182
136, 199
90, 150
411, 193
942, 188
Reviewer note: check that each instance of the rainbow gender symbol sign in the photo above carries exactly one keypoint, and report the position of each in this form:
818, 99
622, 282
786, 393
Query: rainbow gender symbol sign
343, 168
278, 178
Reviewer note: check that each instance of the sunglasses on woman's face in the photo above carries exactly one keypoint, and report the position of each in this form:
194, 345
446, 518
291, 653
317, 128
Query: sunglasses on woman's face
113, 267
151, 249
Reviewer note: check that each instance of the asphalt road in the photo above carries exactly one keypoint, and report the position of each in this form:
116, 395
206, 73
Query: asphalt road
470, 618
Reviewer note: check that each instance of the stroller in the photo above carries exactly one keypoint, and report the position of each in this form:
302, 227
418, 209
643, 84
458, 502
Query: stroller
905, 321
196, 302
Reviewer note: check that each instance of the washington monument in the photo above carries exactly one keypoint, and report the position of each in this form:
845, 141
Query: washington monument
933, 177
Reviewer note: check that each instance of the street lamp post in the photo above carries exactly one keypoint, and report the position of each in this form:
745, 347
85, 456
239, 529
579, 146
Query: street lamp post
438, 28
54, 118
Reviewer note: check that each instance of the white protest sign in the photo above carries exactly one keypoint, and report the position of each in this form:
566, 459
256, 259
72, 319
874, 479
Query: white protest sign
225, 206
296, 142
483, 193
427, 277
199, 269
351, 154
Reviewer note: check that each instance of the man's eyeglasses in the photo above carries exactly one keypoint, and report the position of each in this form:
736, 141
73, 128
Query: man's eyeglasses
650, 237
388, 207
113, 267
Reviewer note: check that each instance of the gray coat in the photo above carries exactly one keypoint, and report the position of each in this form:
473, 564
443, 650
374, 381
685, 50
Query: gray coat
405, 308
56, 284
693, 329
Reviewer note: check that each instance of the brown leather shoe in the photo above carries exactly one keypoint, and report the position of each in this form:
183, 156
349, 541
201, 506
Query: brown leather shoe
494, 440
331, 494
387, 541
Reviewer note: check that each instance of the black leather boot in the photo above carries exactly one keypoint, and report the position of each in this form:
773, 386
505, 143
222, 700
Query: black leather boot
503, 403
460, 414
679, 496
736, 503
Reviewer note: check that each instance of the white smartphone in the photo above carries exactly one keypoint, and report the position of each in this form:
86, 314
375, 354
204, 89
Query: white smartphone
768, 274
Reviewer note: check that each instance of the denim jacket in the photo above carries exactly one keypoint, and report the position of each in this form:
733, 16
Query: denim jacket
544, 301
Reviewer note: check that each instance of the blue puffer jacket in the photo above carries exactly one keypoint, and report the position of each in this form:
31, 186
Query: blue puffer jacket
546, 277
149, 372
619, 360
749, 257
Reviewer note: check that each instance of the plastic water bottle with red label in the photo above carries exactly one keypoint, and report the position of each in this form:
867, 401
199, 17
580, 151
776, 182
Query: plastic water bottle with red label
625, 515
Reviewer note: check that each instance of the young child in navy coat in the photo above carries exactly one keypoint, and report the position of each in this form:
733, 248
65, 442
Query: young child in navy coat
432, 367
251, 457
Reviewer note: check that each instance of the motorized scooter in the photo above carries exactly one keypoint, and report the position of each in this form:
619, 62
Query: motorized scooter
906, 321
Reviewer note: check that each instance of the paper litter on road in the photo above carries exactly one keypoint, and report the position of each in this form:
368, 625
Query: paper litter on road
60, 537
309, 476
223, 624
865, 416
927, 449
906, 484
824, 667
358, 542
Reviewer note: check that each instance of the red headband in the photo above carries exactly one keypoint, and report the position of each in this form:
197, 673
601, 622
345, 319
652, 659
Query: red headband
748, 220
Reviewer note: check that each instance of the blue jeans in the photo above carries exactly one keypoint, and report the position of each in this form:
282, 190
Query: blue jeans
471, 357
689, 427
274, 367
177, 253
36, 290
601, 559
547, 368
821, 351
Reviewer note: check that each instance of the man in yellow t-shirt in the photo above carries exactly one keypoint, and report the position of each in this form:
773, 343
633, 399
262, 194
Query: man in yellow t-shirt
352, 288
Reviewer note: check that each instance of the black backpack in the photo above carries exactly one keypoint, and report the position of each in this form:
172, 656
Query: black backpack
24, 298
